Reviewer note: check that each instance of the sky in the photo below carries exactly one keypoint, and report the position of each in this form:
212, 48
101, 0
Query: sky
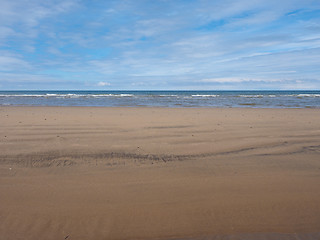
159, 45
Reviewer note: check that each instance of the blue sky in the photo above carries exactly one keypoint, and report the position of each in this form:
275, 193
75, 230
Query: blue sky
159, 44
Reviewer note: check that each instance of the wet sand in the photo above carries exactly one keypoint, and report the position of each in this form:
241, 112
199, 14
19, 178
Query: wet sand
154, 173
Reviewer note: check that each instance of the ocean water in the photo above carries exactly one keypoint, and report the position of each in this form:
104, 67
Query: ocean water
171, 99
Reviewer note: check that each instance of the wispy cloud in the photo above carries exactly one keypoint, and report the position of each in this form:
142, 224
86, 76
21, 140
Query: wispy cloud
12, 62
160, 44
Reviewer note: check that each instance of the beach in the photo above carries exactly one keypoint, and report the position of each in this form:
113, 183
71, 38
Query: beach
159, 173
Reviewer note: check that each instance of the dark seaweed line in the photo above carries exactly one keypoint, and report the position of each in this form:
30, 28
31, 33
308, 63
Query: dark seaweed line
309, 149
60, 159
67, 159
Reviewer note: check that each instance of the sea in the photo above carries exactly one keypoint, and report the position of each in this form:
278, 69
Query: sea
168, 99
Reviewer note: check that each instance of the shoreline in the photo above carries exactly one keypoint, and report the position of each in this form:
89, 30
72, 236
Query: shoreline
159, 173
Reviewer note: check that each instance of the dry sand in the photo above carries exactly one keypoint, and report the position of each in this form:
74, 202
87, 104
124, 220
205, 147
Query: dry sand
152, 173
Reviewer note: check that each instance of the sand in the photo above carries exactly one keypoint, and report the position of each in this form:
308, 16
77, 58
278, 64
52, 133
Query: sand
154, 173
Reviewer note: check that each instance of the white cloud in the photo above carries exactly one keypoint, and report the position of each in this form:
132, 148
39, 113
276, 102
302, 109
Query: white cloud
103, 84
237, 80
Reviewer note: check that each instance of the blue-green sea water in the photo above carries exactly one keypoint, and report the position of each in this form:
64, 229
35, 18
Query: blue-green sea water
171, 99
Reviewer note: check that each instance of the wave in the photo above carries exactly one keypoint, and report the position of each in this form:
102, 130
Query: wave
258, 96
309, 95
205, 95
165, 95
70, 95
